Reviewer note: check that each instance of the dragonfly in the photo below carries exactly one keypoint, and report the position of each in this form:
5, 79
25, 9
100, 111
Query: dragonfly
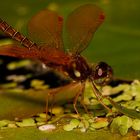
47, 45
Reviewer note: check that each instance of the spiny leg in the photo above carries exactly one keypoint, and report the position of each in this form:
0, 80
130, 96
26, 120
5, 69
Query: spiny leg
50, 95
47, 107
79, 87
53, 93
82, 98
52, 103
99, 96
80, 92
75, 101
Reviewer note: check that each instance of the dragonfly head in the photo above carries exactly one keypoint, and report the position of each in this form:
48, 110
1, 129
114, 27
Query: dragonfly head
102, 73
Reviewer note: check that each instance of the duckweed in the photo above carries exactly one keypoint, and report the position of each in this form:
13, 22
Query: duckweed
136, 124
26, 122
121, 124
4, 123
73, 124
100, 124
98, 118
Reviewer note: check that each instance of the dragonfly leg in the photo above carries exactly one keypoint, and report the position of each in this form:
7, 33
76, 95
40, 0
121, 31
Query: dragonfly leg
47, 107
74, 91
82, 99
80, 92
79, 87
99, 96
51, 103
75, 102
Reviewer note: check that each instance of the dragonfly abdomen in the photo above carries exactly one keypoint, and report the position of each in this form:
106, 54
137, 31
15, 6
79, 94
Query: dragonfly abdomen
11, 32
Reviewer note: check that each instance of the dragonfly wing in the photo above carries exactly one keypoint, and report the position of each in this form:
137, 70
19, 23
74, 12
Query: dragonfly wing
53, 56
50, 56
81, 24
14, 50
46, 28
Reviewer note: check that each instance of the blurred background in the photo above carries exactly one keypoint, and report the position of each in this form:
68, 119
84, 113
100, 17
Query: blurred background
116, 42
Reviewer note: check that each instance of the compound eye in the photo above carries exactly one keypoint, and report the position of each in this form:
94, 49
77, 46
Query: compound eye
102, 73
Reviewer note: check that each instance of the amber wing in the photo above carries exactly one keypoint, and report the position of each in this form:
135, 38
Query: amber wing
46, 28
48, 55
81, 25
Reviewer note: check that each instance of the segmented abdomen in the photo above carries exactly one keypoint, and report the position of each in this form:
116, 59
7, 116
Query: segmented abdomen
11, 32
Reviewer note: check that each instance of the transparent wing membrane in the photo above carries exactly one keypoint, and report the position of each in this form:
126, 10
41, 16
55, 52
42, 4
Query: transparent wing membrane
81, 25
46, 28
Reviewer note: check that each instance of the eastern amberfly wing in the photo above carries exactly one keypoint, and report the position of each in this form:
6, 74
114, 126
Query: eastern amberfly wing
46, 29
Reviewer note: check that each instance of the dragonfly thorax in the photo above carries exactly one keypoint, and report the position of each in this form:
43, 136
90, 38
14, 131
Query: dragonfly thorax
79, 69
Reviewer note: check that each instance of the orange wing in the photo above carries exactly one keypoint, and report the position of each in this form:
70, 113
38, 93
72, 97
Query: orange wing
46, 28
14, 50
81, 25
47, 55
